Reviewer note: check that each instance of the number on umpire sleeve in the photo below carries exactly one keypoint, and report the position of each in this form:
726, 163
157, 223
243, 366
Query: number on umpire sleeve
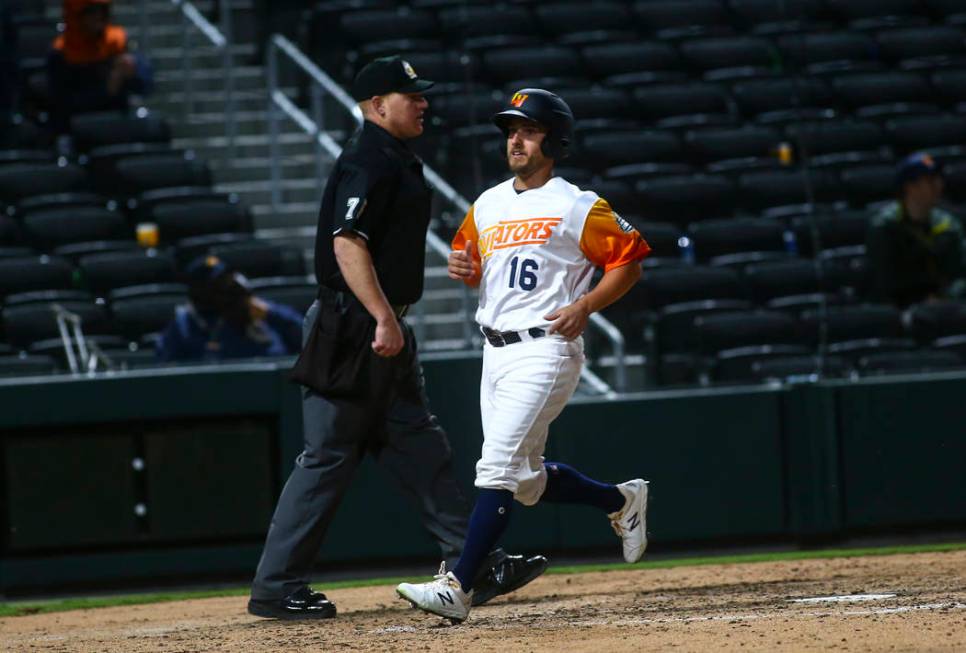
351, 207
527, 278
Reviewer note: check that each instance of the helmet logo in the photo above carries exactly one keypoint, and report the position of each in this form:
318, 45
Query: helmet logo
408, 69
518, 99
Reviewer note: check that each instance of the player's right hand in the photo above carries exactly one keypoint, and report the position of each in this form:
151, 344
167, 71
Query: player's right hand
388, 340
462, 265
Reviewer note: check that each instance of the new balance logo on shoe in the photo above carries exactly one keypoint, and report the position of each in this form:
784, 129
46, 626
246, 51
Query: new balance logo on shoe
635, 521
446, 598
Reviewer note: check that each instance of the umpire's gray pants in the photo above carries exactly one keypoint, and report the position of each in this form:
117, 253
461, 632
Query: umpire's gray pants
337, 432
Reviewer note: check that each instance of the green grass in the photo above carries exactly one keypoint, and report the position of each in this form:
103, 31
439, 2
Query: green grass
21, 608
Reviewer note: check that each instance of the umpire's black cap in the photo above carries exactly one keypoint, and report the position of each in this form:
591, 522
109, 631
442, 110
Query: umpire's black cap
387, 75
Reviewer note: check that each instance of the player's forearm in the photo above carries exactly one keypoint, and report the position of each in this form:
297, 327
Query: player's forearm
355, 263
612, 286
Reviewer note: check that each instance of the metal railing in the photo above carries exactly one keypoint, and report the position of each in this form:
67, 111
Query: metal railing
221, 40
325, 145
82, 356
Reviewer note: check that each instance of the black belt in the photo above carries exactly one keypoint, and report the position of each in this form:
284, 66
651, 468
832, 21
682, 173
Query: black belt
503, 338
400, 310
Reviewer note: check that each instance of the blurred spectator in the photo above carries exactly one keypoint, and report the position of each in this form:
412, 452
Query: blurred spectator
224, 320
89, 67
915, 249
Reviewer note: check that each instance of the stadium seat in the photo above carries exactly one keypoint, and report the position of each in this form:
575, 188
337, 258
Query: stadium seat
661, 287
177, 220
716, 144
445, 66
838, 229
705, 54
609, 59
950, 85
559, 18
255, 258
27, 365
686, 198
76, 251
108, 270
932, 320
906, 43
92, 130
101, 161
853, 350
25, 324
673, 324
633, 172
771, 279
845, 267
952, 12
956, 344
605, 150
661, 236
664, 100
597, 102
797, 304
827, 136
143, 309
846, 323
720, 331
805, 49
758, 96
19, 181
772, 188
911, 133
679, 18
909, 362
47, 297
713, 238
867, 183
374, 49
619, 195
508, 64
10, 232
366, 26
738, 365
876, 14
467, 108
12, 156
767, 17
955, 174
784, 368
52, 228
146, 203
295, 292
12, 252
468, 21
137, 174
34, 273
60, 201
872, 89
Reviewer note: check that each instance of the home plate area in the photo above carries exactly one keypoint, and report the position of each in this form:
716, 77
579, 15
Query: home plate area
910, 602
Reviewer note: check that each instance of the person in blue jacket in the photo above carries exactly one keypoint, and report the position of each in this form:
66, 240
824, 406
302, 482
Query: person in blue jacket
224, 320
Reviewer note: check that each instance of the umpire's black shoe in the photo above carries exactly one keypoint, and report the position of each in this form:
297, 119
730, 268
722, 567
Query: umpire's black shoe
301, 604
509, 574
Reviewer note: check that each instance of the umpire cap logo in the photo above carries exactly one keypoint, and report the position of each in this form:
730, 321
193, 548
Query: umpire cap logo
518, 99
409, 70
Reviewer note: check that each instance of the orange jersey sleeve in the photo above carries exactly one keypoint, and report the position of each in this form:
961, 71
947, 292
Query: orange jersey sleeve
608, 240
466, 233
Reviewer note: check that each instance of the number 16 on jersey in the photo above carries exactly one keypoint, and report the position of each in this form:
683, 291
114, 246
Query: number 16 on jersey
523, 273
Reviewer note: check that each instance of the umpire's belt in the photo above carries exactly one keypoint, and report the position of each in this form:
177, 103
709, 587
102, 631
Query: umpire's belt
341, 298
503, 338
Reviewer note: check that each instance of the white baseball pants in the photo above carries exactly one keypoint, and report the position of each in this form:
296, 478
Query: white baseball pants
523, 388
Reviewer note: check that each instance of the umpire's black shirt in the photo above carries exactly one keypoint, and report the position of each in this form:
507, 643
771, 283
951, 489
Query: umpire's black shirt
377, 190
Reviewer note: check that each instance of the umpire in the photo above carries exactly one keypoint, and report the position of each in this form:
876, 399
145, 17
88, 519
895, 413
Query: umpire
363, 385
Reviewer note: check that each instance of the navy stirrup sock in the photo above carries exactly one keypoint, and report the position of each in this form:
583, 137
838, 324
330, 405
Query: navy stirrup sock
566, 485
487, 523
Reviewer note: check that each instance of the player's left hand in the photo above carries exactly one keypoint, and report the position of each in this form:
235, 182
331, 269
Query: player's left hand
569, 321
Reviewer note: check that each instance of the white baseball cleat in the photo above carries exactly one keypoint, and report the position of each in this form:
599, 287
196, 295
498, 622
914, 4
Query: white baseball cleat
630, 522
444, 596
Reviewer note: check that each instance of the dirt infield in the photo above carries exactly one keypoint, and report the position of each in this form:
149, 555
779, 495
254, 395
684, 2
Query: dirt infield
891, 603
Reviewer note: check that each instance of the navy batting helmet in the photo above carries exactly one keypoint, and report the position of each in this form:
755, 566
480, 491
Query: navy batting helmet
545, 108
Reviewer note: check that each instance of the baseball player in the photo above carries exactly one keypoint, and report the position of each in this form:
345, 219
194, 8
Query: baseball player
531, 245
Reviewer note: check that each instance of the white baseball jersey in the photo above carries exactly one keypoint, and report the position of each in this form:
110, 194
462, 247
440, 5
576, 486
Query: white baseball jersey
538, 249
